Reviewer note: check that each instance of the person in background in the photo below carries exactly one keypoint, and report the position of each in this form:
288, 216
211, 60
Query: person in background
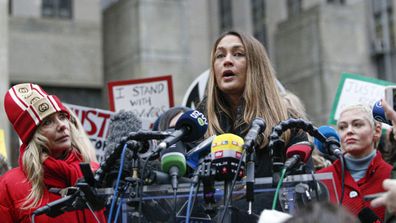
241, 87
388, 199
364, 167
169, 118
296, 109
49, 157
78, 132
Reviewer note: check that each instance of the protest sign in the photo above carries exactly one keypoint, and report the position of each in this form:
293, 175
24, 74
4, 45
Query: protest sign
147, 98
356, 89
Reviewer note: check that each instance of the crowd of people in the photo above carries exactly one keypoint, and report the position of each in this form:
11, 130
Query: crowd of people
241, 86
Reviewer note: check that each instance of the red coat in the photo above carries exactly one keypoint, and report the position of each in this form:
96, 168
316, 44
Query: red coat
14, 188
371, 183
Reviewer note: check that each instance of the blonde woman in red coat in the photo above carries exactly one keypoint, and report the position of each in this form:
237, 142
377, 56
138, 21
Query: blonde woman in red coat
49, 157
365, 170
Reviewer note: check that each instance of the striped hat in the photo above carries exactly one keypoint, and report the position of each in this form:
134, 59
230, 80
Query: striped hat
27, 105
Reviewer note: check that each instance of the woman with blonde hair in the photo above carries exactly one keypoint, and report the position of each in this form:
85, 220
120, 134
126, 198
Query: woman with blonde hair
49, 157
365, 169
241, 87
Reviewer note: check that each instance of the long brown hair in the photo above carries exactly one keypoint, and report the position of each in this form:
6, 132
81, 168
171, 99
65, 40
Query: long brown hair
261, 95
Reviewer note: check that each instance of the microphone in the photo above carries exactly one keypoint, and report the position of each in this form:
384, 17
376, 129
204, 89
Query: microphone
121, 124
173, 162
257, 127
226, 151
57, 207
159, 177
298, 152
379, 113
200, 151
332, 145
191, 126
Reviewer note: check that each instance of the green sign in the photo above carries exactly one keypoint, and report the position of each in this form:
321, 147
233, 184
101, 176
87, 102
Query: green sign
356, 89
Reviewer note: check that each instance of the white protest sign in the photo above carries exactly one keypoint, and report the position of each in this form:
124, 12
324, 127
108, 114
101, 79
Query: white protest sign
147, 98
356, 89
96, 124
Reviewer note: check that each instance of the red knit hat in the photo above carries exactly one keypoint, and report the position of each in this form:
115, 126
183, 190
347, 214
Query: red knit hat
27, 105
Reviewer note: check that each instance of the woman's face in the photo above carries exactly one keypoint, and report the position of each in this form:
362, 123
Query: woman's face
357, 133
56, 128
230, 65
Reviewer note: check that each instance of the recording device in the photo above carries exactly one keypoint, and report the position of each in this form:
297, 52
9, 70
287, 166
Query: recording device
194, 156
332, 144
191, 126
390, 96
226, 151
297, 153
379, 113
173, 162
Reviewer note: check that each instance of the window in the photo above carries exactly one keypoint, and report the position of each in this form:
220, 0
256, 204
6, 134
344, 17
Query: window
336, 1
225, 7
293, 7
57, 8
259, 20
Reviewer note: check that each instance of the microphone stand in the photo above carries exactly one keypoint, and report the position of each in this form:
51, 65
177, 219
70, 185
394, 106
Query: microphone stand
250, 159
227, 191
134, 180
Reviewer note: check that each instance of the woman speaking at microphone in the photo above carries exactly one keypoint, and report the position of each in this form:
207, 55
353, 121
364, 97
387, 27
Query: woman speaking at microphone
364, 167
49, 157
241, 87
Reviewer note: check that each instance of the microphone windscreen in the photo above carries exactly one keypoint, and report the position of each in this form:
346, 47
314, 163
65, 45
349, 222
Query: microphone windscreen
226, 151
122, 123
195, 122
174, 157
303, 149
379, 113
226, 146
327, 132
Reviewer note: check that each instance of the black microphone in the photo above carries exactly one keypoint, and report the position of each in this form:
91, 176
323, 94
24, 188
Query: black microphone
57, 207
159, 177
191, 126
297, 153
257, 127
